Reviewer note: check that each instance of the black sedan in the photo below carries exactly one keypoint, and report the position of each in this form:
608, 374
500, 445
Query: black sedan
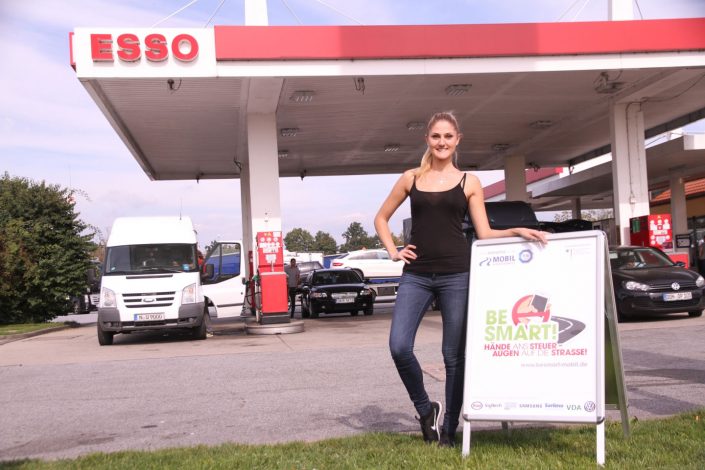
334, 291
647, 282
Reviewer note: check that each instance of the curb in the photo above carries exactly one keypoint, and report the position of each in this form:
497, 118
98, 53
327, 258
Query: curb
4, 339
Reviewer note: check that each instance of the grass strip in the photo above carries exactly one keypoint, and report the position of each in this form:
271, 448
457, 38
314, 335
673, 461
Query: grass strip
672, 443
18, 328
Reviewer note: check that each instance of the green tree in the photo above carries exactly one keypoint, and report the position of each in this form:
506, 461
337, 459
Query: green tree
210, 246
323, 241
356, 238
398, 239
299, 240
43, 254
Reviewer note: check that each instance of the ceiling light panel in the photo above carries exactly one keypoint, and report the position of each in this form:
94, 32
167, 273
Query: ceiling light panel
289, 131
302, 96
457, 90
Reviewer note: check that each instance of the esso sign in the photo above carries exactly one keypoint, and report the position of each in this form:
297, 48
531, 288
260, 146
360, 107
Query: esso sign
155, 47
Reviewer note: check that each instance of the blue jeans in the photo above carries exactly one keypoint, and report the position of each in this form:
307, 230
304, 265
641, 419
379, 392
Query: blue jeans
414, 296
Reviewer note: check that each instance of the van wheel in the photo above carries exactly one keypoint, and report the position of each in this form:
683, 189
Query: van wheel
369, 310
304, 310
354, 313
695, 314
314, 311
105, 338
201, 331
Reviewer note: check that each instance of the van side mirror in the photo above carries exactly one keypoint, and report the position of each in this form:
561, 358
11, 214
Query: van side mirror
680, 263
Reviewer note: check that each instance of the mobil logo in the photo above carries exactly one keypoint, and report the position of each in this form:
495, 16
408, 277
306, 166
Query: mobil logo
155, 47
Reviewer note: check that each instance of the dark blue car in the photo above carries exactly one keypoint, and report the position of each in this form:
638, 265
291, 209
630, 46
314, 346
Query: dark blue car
647, 282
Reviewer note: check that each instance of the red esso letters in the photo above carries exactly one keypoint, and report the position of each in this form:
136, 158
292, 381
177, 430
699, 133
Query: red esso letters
183, 47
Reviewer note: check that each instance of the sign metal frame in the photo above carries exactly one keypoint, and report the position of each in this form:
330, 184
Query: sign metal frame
519, 258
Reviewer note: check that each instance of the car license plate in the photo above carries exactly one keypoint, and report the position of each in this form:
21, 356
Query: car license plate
149, 316
677, 296
344, 298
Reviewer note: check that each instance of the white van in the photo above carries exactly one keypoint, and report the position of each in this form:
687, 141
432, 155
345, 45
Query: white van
151, 279
223, 273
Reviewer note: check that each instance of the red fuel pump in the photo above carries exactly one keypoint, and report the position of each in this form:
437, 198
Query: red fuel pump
270, 264
652, 230
655, 231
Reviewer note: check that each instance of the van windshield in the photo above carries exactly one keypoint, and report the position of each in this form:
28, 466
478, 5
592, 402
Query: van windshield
159, 258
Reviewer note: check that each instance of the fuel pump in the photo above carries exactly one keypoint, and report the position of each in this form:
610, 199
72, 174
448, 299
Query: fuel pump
655, 231
270, 269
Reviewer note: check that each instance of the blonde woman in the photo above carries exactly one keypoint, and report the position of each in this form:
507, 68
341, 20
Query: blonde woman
437, 263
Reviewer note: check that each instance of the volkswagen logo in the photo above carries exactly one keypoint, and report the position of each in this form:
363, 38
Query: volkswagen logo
675, 286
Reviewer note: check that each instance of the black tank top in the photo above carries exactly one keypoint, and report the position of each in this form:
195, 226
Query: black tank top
436, 230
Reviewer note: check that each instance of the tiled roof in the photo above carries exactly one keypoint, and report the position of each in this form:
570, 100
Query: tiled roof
530, 176
692, 188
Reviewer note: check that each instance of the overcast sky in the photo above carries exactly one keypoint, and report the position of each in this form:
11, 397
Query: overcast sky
51, 130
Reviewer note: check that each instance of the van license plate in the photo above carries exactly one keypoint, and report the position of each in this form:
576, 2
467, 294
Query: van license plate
677, 296
149, 316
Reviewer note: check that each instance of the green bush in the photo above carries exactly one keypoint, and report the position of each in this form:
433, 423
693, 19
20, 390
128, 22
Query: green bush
43, 254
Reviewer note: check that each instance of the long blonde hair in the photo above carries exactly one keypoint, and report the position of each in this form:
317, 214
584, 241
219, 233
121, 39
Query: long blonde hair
426, 159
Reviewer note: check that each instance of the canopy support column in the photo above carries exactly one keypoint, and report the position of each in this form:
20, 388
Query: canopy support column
515, 178
260, 193
629, 179
679, 215
577, 208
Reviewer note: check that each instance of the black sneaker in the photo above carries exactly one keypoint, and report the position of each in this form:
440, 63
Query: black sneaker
446, 440
429, 423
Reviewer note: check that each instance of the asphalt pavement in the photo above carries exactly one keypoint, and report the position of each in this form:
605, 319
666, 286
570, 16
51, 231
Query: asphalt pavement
63, 395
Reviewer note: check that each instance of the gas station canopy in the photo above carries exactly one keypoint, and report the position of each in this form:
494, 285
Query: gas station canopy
355, 99
684, 156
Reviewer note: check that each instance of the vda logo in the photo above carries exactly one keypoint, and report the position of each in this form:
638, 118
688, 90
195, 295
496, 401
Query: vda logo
573, 407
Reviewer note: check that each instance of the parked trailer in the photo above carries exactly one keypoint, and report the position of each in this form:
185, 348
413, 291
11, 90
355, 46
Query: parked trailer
385, 288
